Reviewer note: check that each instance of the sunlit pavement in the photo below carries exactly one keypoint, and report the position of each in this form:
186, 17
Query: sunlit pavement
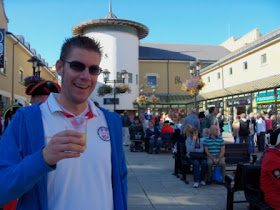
151, 185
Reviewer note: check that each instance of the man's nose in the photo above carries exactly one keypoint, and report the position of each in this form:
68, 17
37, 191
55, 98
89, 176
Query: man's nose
85, 73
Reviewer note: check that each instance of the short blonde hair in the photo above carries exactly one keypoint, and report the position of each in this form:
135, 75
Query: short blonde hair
187, 130
205, 132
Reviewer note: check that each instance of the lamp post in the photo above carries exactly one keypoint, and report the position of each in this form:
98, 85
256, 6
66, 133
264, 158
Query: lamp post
39, 64
195, 67
106, 73
34, 60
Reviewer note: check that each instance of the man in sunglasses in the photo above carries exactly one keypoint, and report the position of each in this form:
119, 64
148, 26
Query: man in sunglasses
47, 166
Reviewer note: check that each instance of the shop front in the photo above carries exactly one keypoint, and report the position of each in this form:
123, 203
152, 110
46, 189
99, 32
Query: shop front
266, 101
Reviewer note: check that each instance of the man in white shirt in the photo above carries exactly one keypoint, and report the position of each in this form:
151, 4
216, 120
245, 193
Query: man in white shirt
46, 165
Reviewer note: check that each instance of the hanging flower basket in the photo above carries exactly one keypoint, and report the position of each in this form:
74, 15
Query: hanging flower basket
153, 99
32, 79
104, 89
193, 86
142, 100
122, 88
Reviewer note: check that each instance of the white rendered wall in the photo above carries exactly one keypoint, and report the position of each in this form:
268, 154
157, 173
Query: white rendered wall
120, 51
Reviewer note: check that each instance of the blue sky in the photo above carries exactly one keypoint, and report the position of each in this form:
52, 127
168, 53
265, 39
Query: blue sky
46, 23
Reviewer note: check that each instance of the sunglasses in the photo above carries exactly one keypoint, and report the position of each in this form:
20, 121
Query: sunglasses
80, 67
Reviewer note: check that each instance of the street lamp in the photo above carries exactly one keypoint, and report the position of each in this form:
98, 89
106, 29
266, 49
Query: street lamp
39, 64
34, 60
141, 89
195, 67
106, 73
154, 89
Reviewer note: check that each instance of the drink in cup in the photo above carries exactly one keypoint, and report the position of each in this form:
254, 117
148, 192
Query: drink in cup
78, 124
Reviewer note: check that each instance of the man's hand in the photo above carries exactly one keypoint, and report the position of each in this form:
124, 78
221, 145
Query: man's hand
216, 161
65, 144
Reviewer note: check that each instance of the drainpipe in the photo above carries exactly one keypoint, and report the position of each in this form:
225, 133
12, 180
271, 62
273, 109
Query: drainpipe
13, 71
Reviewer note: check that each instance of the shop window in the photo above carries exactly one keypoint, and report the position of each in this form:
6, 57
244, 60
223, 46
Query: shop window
230, 71
21, 76
263, 59
208, 78
245, 65
152, 80
219, 75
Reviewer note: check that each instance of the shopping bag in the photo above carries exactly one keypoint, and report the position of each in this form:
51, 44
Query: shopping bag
217, 174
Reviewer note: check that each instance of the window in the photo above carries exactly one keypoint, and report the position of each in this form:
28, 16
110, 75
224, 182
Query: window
3, 70
119, 76
263, 59
136, 79
208, 78
130, 78
151, 80
218, 75
245, 65
230, 71
20, 75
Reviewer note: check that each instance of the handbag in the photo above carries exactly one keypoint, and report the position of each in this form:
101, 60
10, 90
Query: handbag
197, 155
217, 174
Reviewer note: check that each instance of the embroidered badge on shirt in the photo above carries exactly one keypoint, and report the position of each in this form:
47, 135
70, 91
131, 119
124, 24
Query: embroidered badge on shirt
103, 133
276, 173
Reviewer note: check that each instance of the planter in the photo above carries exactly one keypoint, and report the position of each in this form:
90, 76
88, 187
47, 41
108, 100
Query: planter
104, 89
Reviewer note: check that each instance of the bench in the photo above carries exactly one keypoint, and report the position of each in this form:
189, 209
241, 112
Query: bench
234, 184
238, 153
252, 191
167, 140
185, 165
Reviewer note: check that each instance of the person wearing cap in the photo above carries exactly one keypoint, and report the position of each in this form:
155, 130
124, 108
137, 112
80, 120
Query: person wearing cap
47, 166
270, 172
40, 91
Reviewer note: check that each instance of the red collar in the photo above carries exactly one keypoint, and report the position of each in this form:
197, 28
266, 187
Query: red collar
89, 114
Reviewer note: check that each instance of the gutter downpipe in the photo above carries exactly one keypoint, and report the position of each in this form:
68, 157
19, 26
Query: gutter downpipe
168, 85
223, 86
13, 71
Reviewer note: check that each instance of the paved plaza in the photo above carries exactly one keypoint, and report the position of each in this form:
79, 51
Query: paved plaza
151, 185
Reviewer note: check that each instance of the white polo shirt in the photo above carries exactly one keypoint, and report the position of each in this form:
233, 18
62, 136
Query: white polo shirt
84, 182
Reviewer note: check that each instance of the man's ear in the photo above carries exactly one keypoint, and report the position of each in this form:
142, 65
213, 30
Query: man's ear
59, 67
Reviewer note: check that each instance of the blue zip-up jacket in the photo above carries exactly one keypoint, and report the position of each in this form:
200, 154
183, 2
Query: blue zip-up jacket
23, 170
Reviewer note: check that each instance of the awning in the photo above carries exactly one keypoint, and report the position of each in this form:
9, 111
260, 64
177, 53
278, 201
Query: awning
254, 86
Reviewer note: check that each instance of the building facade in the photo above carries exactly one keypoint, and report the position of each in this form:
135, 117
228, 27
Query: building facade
246, 80
16, 51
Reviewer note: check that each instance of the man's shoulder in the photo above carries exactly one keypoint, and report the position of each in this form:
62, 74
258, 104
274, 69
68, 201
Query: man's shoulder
29, 111
110, 115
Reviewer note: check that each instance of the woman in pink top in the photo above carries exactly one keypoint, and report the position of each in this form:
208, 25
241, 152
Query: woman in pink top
268, 124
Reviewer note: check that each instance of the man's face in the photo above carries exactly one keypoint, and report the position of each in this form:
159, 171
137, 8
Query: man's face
214, 131
76, 87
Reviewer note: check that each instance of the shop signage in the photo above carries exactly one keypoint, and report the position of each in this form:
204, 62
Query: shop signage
217, 104
111, 101
238, 102
2, 48
266, 99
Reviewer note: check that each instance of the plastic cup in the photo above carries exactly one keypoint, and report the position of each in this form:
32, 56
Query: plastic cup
78, 124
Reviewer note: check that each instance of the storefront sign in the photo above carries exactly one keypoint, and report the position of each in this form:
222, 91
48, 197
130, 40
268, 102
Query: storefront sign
238, 102
266, 99
111, 101
2, 48
217, 104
